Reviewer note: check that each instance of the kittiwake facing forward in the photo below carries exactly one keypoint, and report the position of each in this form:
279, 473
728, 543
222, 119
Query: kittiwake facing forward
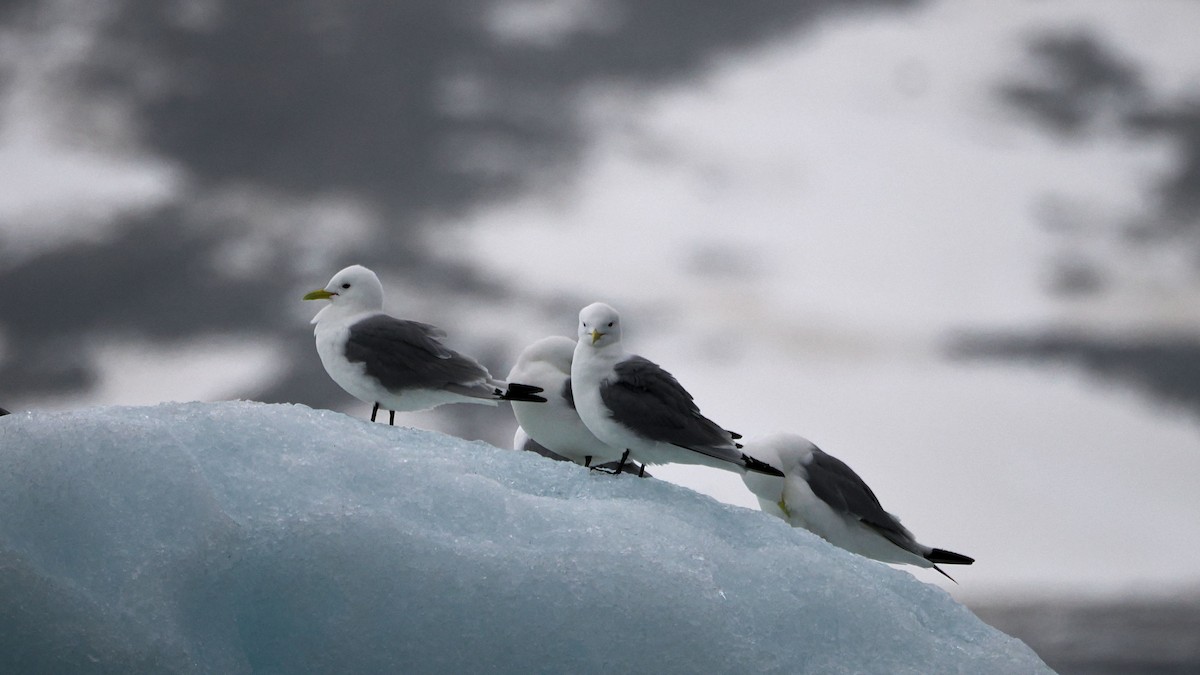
394, 364
629, 402
821, 494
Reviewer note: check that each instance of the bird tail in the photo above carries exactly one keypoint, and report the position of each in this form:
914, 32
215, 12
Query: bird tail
522, 392
759, 466
945, 557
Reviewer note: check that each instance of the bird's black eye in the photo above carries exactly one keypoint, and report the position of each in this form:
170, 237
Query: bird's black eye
585, 324
610, 324
345, 285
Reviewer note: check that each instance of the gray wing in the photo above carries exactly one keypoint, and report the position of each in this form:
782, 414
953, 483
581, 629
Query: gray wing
568, 394
838, 486
410, 355
651, 403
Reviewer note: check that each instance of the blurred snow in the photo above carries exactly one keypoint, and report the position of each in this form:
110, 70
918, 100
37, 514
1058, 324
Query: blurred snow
240, 537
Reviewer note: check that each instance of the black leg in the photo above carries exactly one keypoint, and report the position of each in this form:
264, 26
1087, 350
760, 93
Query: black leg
392, 418
642, 471
621, 464
587, 461
373, 411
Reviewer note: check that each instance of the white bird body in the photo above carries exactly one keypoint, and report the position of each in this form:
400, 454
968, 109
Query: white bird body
631, 403
555, 424
395, 364
821, 494
332, 336
522, 441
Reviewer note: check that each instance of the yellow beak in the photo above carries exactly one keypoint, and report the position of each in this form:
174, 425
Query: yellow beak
596, 335
319, 294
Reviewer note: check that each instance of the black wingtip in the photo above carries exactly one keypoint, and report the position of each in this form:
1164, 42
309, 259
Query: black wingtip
939, 555
522, 392
4, 412
759, 466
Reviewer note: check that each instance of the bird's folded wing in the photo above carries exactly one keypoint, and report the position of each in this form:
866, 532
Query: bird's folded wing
650, 402
836, 484
409, 355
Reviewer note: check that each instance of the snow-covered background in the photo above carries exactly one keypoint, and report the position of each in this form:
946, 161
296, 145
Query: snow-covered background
813, 216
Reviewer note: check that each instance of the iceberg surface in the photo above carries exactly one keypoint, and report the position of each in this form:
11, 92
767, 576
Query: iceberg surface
243, 537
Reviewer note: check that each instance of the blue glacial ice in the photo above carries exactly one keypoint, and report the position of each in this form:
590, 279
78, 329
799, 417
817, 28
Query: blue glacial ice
243, 537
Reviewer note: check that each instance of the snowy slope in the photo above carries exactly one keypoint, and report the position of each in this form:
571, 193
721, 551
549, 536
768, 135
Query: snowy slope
241, 537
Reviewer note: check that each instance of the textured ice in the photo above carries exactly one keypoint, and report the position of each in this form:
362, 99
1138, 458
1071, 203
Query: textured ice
240, 537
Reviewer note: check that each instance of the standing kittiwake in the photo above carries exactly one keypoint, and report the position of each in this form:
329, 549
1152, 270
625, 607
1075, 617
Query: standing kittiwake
821, 494
398, 365
629, 402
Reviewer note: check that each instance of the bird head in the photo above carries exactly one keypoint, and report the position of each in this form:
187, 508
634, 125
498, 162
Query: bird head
599, 325
354, 289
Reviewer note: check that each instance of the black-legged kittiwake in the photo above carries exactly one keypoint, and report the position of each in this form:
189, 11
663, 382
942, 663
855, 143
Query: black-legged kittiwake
397, 365
821, 494
555, 426
629, 402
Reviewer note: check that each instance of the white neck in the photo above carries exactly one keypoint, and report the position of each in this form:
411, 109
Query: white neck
593, 360
338, 313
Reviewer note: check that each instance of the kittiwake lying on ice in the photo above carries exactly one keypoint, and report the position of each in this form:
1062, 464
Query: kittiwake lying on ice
821, 494
397, 365
629, 402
